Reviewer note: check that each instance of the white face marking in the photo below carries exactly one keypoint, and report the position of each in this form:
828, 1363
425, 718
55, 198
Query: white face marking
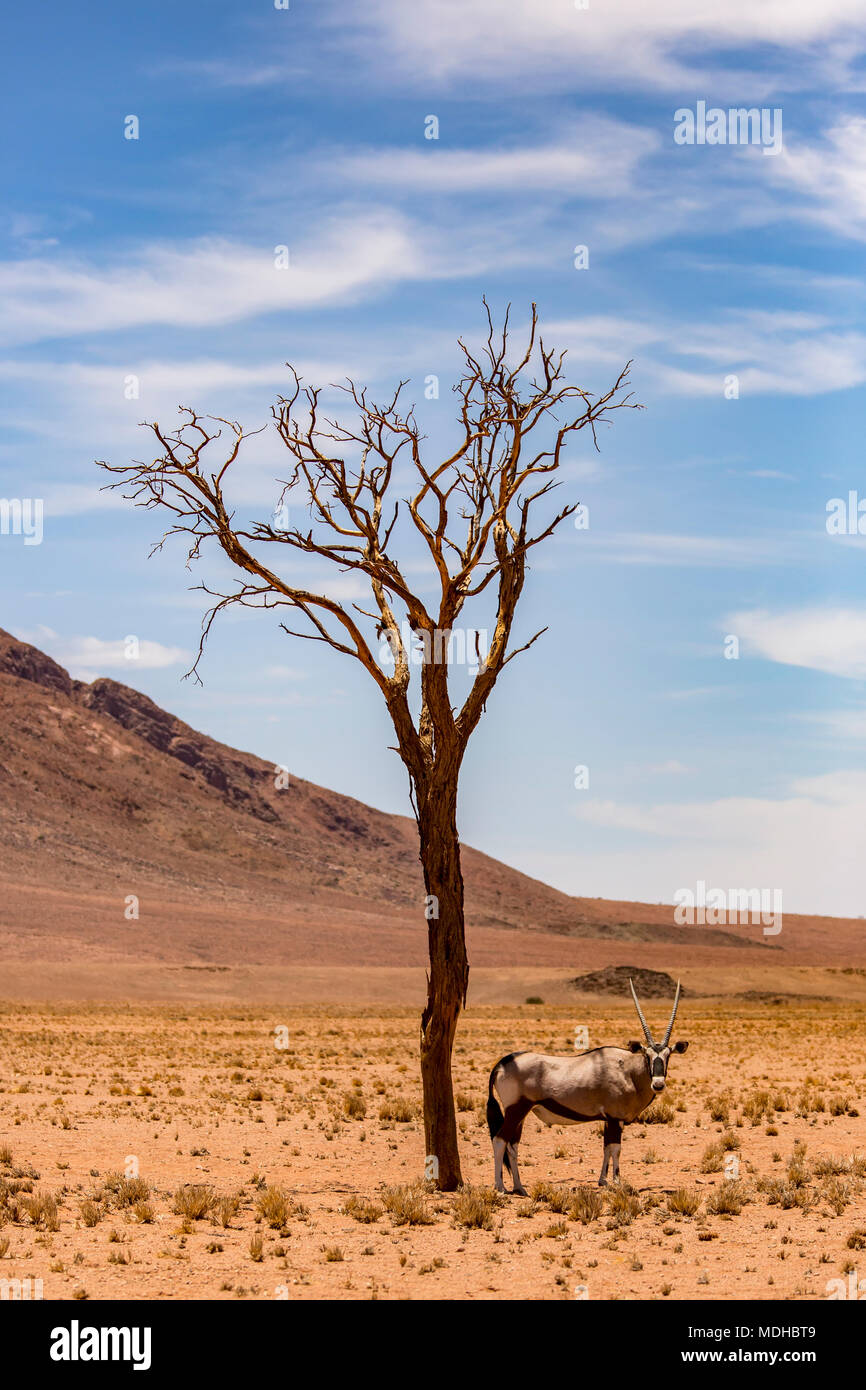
657, 1060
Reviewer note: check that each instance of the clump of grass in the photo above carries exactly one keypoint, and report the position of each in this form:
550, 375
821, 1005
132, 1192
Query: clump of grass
534, 999
90, 1212
586, 1205
474, 1207
556, 1231
831, 1166
684, 1201
397, 1109
763, 1103
127, 1191
660, 1113
557, 1198
624, 1205
226, 1209
778, 1192
836, 1193
144, 1213
713, 1158
407, 1205
333, 1254
810, 1102
193, 1202
727, 1200
42, 1210
257, 1248
798, 1168
857, 1239
354, 1105
274, 1206
362, 1210
720, 1109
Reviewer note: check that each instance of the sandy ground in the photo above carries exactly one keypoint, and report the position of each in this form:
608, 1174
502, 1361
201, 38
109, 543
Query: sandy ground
82, 980
314, 1152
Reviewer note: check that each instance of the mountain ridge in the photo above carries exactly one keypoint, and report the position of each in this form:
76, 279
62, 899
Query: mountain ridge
105, 796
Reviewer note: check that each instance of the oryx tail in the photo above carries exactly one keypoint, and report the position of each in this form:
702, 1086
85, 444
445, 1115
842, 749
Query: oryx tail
495, 1116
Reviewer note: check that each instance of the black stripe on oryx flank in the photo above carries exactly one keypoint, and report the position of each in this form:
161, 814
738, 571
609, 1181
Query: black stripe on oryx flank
512, 1125
556, 1109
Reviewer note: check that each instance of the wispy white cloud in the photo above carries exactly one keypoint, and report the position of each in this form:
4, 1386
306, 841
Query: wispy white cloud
545, 42
821, 639
770, 352
830, 176
597, 158
839, 724
88, 657
807, 841
206, 282
662, 548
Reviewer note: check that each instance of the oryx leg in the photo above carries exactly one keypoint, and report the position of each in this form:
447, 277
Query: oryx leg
499, 1147
519, 1189
612, 1146
505, 1144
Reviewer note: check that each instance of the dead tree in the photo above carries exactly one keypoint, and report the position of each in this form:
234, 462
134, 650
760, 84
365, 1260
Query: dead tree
473, 512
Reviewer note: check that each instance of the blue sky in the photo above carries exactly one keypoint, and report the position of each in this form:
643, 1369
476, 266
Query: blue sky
305, 127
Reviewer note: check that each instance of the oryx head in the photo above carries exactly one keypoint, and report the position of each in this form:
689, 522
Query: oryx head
657, 1054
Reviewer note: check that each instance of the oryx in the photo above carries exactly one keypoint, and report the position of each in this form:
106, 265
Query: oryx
614, 1084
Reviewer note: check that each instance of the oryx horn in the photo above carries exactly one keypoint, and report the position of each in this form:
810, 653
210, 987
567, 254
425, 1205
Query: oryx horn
673, 1016
643, 1023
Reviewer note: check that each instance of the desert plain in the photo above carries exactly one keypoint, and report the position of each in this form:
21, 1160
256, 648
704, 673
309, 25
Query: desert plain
210, 993
231, 1152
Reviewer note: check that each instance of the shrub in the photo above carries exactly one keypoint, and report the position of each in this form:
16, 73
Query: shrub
397, 1108
407, 1205
362, 1210
684, 1201
474, 1207
587, 1205
274, 1206
728, 1199
194, 1202
557, 1198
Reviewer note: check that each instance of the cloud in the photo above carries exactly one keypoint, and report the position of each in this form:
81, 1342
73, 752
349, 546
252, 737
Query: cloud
771, 352
808, 842
661, 548
551, 43
595, 159
88, 657
206, 282
821, 639
831, 176
842, 725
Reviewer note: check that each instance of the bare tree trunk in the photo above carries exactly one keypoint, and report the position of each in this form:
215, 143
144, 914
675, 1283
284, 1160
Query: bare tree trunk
449, 973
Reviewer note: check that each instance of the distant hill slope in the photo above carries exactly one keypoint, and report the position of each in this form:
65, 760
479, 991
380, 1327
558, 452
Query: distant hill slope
104, 795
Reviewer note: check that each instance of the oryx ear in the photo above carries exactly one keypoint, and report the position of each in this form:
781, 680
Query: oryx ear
680, 1047
635, 1046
